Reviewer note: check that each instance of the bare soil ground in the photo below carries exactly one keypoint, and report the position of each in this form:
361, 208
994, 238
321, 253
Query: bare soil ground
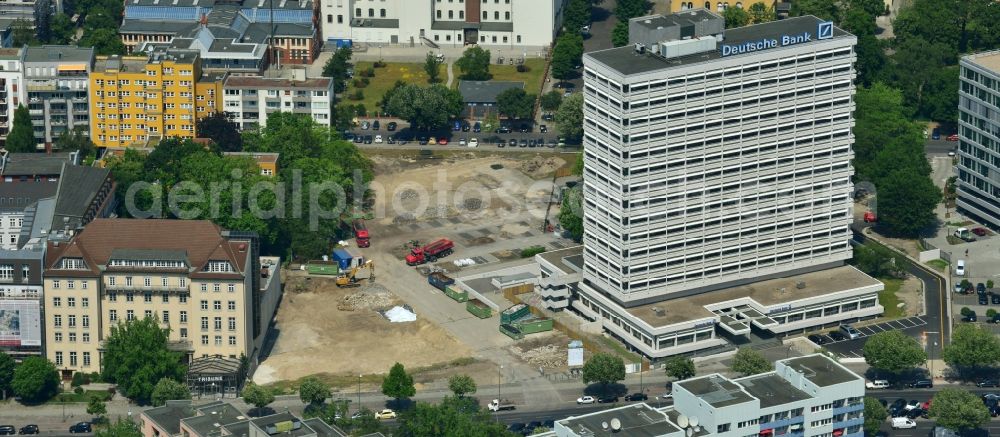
546, 350
317, 336
911, 293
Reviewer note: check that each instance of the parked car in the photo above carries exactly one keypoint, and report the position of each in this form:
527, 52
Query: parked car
365, 125
921, 383
466, 127
477, 127
952, 137
473, 143
543, 128
850, 331
361, 413
971, 318
391, 126
378, 139
390, 140
936, 134
903, 423
994, 319
818, 339
358, 139
80, 427
636, 397
385, 414
443, 141
532, 143
877, 384
375, 125
960, 268
548, 116
995, 299
980, 231
516, 427
981, 288
28, 429
7, 430
983, 300
525, 127
503, 130
512, 143
607, 399
585, 400
461, 142
988, 383
456, 126
368, 139
432, 141
837, 335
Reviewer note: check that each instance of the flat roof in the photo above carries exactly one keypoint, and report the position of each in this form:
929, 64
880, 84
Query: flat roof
639, 420
558, 258
716, 390
626, 61
272, 420
261, 82
480, 285
987, 60
772, 390
212, 417
58, 53
767, 293
821, 370
688, 17
168, 417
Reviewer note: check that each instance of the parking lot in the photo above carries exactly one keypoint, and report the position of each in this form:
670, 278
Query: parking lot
853, 348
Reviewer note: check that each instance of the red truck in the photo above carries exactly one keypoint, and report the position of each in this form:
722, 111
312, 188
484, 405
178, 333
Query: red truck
430, 252
361, 234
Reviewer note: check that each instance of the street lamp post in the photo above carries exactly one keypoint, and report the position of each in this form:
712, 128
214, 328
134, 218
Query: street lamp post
496, 412
359, 392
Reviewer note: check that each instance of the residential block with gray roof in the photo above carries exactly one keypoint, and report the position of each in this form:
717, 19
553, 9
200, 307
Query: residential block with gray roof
810, 396
249, 100
56, 80
222, 419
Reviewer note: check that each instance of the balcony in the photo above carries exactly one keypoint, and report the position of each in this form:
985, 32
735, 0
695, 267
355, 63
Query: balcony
848, 408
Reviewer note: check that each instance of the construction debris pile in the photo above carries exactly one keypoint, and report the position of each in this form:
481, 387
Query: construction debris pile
371, 297
549, 356
400, 314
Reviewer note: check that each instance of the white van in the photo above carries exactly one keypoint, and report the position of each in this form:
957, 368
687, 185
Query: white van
903, 423
960, 268
877, 384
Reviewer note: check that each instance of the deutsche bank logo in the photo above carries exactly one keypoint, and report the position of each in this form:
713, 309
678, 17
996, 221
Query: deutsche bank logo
825, 30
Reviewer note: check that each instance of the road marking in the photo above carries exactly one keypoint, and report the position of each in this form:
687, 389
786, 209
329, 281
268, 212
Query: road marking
901, 325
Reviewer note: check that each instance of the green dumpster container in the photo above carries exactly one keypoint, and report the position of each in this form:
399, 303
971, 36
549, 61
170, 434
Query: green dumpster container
514, 313
533, 325
456, 293
317, 267
478, 309
511, 331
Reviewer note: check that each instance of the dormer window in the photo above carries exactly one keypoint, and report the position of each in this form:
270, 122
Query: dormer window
219, 266
73, 264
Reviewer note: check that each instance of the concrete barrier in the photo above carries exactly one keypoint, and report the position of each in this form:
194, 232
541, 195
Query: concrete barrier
929, 255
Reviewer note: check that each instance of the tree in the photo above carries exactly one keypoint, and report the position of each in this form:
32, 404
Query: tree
63, 29
619, 35
871, 7
426, 107
971, 348
75, 140
760, 13
43, 19
454, 416
566, 54
875, 415
824, 9
569, 118
398, 384
679, 367
222, 131
735, 17
907, 200
167, 389
313, 391
121, 428
21, 33
136, 357
432, 67
879, 261
21, 137
515, 103
461, 385
35, 380
958, 410
577, 15
105, 41
551, 100
750, 362
571, 213
893, 352
883, 123
96, 407
257, 396
337, 67
474, 64
629, 9
6, 373
603, 368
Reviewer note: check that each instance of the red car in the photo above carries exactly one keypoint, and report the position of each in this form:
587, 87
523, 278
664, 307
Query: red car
952, 137
979, 231
443, 141
869, 217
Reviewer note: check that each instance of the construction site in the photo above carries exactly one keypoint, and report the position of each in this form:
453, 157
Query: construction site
453, 237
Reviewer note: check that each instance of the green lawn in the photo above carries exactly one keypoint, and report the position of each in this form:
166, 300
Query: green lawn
385, 78
888, 298
532, 78
939, 264
83, 397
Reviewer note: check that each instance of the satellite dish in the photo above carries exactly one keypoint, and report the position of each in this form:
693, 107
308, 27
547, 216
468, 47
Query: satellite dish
604, 425
682, 421
697, 429
693, 420
689, 432
616, 425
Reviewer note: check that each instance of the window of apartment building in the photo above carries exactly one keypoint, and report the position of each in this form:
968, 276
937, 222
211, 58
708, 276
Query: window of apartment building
183, 298
182, 282
129, 297
217, 305
113, 297
57, 302
218, 340
85, 321
128, 281
7, 272
129, 315
165, 297
71, 302
217, 323
86, 337
58, 336
204, 287
340, 19
232, 323
371, 12
232, 288
55, 284
57, 321
59, 358
70, 284
204, 323
485, 15
216, 288
357, 12
72, 358
184, 316
26, 271
72, 321
72, 337
111, 280
84, 301
232, 305
496, 16
204, 340
204, 305
184, 333
147, 281
86, 359
147, 297
232, 340
113, 315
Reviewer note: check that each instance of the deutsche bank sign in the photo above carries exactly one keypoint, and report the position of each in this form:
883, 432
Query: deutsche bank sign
823, 31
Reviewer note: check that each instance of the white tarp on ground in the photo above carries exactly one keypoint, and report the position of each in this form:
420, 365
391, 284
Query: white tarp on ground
399, 314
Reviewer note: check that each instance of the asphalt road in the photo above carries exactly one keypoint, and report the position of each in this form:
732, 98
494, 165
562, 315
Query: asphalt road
939, 147
933, 324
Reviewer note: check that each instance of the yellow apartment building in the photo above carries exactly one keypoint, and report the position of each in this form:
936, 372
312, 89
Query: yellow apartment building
205, 285
138, 100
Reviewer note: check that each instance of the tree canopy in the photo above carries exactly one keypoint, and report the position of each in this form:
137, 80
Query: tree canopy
221, 130
136, 358
474, 64
121, 428
35, 380
551, 100
257, 396
735, 17
750, 362
679, 367
566, 54
398, 384
21, 137
515, 103
313, 391
958, 410
337, 67
569, 118
461, 385
167, 389
971, 348
603, 368
893, 352
453, 417
875, 415
425, 107
432, 68
6, 374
